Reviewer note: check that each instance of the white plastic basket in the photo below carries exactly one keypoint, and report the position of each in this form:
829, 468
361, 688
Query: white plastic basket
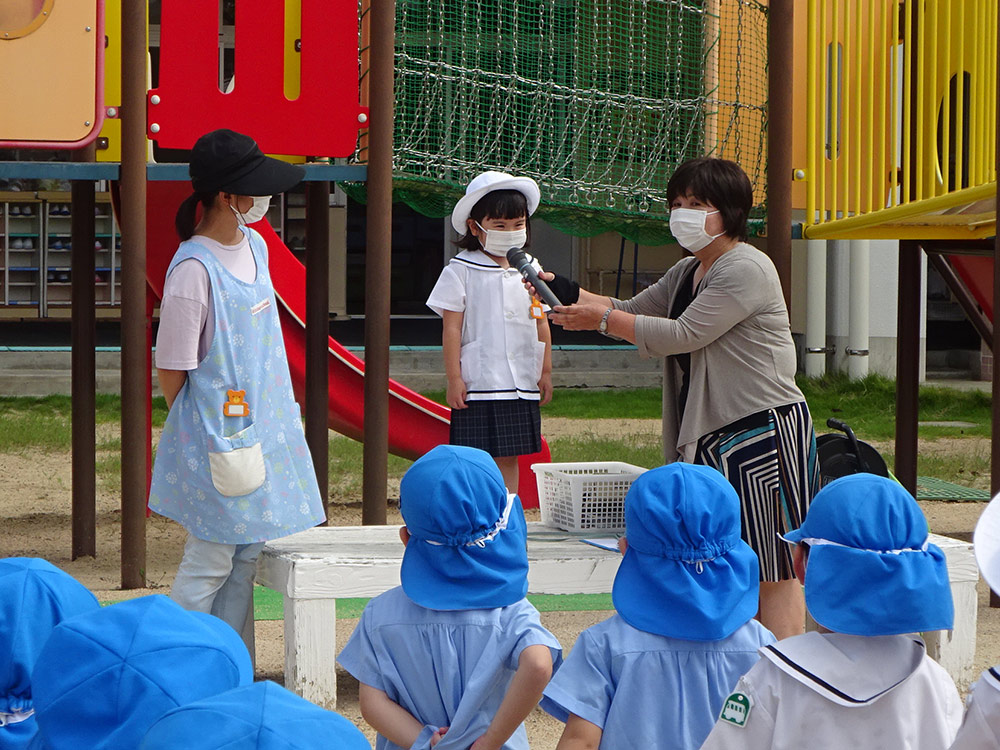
584, 496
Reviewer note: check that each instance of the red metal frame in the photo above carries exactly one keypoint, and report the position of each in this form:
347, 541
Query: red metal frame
324, 119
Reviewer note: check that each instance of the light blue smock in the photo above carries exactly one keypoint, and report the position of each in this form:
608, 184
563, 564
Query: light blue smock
237, 479
447, 668
647, 690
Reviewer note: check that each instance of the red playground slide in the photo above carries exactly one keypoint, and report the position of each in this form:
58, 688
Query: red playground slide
977, 273
416, 424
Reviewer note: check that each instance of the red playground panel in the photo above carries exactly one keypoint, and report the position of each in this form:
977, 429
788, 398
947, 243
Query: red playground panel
322, 121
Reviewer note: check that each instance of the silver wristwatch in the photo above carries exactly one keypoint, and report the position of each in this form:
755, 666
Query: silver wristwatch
603, 325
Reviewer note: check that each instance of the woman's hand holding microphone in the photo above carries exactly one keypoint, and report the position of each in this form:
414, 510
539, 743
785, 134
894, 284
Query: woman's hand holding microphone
571, 315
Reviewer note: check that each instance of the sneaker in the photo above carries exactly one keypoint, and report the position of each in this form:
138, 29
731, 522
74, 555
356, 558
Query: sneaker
17, 244
98, 279
29, 243
50, 276
53, 209
27, 210
98, 245
62, 277
15, 210
67, 245
64, 210
57, 245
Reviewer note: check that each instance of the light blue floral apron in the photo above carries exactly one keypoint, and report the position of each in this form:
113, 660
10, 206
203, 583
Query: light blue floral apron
232, 465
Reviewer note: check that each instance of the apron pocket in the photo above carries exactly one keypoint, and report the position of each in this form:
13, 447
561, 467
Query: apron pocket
239, 471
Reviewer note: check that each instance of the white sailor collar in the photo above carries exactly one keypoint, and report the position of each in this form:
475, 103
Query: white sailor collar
477, 259
849, 670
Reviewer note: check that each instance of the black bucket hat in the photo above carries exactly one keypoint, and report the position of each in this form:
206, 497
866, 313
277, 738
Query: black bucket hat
232, 162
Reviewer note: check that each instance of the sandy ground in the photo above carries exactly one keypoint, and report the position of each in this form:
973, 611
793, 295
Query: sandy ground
35, 514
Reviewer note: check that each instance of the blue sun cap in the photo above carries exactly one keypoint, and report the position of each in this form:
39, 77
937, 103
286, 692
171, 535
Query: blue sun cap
35, 596
871, 570
468, 536
686, 572
104, 677
261, 716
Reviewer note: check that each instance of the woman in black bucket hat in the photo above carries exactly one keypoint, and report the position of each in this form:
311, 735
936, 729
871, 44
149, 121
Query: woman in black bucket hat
232, 464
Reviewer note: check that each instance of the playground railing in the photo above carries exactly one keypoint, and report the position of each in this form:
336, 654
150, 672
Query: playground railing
901, 116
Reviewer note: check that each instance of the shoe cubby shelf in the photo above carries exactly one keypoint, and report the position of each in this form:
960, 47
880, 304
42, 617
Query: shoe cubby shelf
36, 247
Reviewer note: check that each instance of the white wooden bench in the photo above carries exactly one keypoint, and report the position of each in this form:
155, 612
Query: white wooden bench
314, 568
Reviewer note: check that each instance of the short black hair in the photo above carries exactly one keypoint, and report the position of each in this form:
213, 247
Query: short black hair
722, 183
497, 204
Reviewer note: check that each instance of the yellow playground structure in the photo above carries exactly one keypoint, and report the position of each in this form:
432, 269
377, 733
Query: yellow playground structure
900, 119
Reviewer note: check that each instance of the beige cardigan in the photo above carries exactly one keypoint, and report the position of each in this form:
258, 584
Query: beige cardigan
737, 332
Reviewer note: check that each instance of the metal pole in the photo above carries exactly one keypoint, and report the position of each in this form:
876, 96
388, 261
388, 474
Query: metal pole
780, 65
133, 310
378, 254
857, 325
83, 333
907, 364
318, 331
815, 364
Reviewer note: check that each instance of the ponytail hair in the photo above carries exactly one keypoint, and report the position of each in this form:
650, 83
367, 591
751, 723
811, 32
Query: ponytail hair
184, 222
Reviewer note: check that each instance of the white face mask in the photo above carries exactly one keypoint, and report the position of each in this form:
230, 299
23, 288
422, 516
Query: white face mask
257, 211
687, 225
498, 242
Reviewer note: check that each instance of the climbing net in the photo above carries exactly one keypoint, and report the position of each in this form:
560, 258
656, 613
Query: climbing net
597, 100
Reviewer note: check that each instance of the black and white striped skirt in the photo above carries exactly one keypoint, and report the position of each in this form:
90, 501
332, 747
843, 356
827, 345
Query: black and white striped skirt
770, 458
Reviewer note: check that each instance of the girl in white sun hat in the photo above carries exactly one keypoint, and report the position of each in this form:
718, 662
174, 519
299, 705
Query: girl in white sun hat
496, 340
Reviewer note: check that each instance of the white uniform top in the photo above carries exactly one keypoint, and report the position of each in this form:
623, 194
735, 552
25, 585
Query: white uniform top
981, 728
187, 317
835, 692
501, 355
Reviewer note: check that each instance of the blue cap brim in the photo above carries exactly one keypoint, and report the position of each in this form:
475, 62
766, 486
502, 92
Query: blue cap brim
861, 592
671, 598
469, 577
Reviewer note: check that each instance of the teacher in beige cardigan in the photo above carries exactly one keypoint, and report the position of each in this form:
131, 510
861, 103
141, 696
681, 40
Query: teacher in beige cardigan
729, 395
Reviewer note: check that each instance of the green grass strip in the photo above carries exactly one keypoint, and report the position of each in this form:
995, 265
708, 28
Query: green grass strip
268, 604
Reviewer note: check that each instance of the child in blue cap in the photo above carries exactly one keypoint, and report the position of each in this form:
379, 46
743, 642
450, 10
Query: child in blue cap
456, 657
104, 677
872, 582
981, 726
261, 716
35, 596
655, 674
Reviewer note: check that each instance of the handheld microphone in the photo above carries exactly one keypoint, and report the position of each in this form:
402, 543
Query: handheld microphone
519, 259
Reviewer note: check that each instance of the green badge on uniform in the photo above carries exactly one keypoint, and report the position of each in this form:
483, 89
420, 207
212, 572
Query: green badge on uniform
736, 709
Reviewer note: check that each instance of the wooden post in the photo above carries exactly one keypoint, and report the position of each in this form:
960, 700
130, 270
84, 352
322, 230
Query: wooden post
133, 310
378, 265
780, 65
318, 332
995, 443
83, 333
907, 364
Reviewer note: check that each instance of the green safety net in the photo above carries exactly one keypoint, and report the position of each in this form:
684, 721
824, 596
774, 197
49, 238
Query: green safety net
597, 100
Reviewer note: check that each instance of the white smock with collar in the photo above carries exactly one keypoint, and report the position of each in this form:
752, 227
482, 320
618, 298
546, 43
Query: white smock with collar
837, 692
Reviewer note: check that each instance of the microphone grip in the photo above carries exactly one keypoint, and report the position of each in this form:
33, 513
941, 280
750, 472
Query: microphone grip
541, 288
